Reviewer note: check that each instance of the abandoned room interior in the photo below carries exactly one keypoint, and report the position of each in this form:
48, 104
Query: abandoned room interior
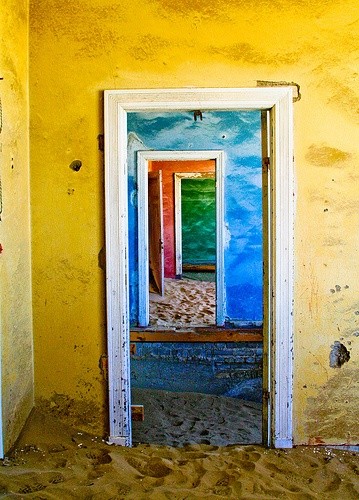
185, 296
180, 247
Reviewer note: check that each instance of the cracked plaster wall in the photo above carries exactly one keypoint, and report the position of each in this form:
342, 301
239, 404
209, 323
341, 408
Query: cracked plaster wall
15, 259
78, 49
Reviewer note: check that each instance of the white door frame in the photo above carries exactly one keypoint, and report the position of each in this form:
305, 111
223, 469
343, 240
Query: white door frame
143, 159
281, 259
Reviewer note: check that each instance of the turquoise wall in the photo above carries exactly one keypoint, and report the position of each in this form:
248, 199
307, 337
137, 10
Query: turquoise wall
238, 135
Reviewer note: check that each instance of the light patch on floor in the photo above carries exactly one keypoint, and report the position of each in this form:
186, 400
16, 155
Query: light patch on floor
186, 302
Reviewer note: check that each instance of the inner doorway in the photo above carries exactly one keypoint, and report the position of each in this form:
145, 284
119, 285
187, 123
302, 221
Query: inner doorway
189, 298
279, 311
163, 236
195, 222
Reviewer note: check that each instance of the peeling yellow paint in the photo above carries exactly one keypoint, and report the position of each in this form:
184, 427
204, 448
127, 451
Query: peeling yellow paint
82, 413
148, 47
244, 52
325, 156
331, 415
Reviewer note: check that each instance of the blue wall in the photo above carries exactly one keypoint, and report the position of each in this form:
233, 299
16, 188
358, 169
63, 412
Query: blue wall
232, 369
238, 134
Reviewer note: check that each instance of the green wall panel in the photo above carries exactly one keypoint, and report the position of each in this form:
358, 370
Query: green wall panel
198, 221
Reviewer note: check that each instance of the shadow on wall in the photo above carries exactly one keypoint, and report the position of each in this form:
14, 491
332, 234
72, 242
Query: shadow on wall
232, 369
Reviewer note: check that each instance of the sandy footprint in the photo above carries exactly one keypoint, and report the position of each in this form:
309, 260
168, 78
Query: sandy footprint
152, 467
99, 457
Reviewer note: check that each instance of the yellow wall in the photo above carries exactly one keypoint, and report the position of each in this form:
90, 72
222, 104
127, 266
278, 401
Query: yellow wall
78, 49
15, 265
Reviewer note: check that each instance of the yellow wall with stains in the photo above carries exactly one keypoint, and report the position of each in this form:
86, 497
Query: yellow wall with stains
15, 258
78, 49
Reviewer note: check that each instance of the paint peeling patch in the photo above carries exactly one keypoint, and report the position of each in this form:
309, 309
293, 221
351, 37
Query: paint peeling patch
97, 42
330, 241
332, 415
148, 47
103, 365
226, 236
76, 165
85, 414
223, 11
344, 98
201, 9
325, 156
338, 288
314, 441
101, 259
296, 87
338, 355
246, 53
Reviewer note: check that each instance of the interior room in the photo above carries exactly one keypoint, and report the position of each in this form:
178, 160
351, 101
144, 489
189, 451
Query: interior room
58, 62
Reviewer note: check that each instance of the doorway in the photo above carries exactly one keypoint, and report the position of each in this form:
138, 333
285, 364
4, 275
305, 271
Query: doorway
176, 160
278, 307
188, 298
221, 373
195, 220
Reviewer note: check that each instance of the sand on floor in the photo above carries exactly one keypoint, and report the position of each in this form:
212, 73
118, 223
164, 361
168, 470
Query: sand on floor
185, 302
180, 418
54, 460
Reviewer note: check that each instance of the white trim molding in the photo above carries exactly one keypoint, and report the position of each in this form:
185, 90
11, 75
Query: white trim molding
281, 251
281, 260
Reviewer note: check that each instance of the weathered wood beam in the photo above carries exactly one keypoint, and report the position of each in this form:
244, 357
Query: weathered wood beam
205, 334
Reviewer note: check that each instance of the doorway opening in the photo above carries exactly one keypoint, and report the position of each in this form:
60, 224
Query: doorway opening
160, 238
189, 298
221, 373
277, 378
195, 222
